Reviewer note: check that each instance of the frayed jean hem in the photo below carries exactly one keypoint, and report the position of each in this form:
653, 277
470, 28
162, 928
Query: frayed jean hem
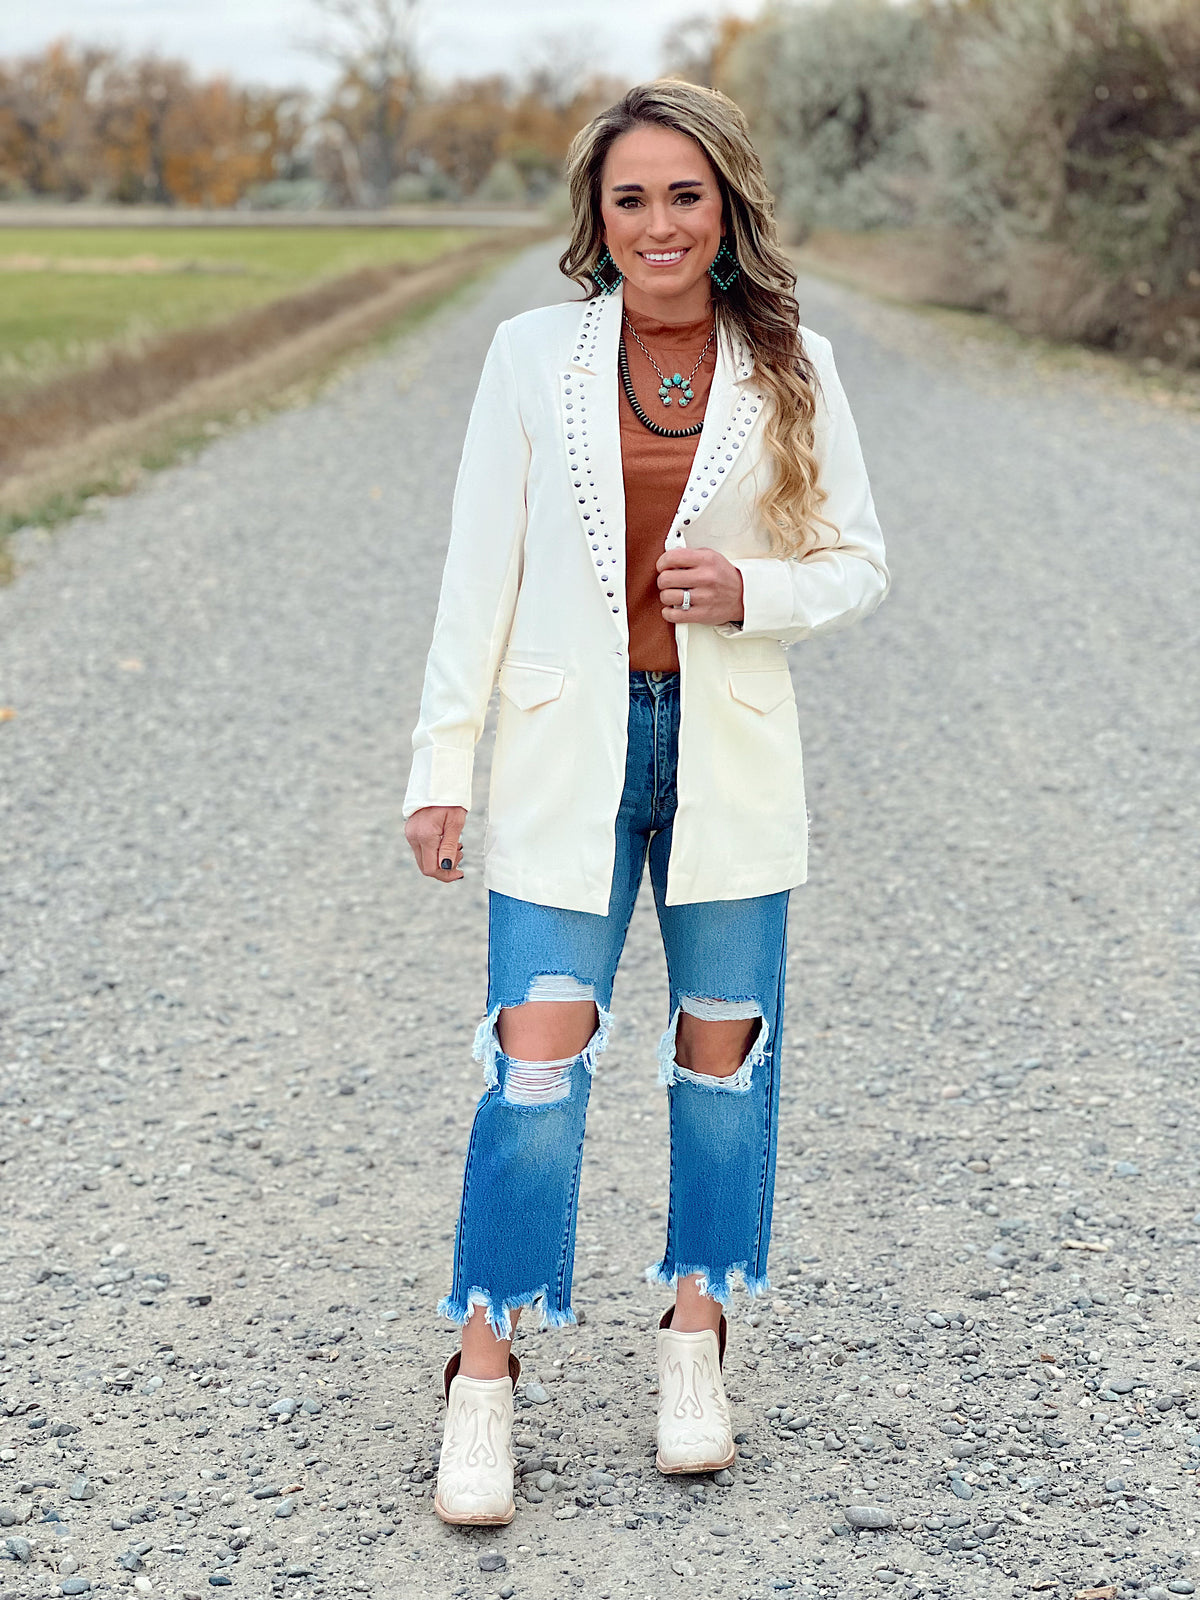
722, 1291
500, 1321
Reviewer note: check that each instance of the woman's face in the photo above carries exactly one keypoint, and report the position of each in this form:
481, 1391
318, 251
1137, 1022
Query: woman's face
661, 210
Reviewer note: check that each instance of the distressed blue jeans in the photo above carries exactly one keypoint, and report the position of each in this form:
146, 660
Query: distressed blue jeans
515, 1241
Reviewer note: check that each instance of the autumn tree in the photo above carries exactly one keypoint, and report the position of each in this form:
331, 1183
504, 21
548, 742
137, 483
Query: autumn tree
77, 121
47, 144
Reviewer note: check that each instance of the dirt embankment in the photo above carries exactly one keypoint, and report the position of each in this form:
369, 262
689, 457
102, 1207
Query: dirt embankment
66, 431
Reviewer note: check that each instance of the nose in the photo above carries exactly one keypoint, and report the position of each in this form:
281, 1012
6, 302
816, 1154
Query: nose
661, 224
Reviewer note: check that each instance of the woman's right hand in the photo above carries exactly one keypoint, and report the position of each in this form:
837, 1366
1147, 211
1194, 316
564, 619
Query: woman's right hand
434, 833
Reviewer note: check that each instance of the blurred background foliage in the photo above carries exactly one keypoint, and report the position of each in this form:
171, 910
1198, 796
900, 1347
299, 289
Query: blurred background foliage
1035, 158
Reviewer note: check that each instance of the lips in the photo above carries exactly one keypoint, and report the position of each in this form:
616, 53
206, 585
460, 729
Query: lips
663, 258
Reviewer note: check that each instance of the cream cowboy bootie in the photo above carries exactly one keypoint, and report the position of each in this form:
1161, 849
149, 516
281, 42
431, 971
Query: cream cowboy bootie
475, 1470
694, 1430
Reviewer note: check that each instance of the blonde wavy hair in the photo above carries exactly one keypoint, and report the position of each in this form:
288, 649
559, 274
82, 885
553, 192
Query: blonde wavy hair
760, 305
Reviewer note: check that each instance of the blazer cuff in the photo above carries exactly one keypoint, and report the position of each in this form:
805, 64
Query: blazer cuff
767, 598
440, 776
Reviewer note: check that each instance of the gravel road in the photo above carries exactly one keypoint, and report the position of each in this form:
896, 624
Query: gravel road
236, 1079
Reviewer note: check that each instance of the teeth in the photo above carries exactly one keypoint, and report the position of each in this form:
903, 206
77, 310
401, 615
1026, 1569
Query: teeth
670, 255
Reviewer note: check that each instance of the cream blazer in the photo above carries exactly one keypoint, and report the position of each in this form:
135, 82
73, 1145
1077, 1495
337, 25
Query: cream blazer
533, 601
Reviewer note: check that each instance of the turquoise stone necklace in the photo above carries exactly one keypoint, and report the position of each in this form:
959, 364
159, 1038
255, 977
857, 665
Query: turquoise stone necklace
681, 386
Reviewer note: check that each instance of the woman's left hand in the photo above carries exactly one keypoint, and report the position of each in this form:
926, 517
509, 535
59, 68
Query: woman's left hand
715, 586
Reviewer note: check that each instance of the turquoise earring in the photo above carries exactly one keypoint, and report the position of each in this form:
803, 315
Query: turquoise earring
724, 267
607, 286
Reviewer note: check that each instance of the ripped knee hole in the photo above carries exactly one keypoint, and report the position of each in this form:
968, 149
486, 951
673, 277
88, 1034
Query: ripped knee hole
733, 1075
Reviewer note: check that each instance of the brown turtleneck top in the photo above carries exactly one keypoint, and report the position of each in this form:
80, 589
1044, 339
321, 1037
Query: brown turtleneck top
656, 472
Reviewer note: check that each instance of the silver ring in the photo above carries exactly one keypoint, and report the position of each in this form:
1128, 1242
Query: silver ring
686, 603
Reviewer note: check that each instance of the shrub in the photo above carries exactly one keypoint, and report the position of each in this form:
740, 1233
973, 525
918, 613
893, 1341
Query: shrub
836, 93
1065, 135
1055, 144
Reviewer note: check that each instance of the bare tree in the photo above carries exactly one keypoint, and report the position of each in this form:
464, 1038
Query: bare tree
697, 47
689, 48
560, 66
373, 45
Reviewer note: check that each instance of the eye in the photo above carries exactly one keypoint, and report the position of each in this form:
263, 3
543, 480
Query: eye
687, 196
624, 203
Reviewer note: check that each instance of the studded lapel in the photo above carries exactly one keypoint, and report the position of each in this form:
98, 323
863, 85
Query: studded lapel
735, 404
592, 438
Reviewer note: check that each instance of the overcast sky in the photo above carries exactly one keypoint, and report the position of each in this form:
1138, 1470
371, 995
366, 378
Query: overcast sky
259, 40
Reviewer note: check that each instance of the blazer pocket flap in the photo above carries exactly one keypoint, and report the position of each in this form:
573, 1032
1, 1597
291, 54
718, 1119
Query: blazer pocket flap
528, 686
764, 688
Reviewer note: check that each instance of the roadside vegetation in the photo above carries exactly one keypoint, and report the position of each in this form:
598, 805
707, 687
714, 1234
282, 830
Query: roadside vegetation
92, 414
1039, 159
70, 298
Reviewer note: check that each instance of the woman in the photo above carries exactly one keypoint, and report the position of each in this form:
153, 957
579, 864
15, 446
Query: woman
661, 487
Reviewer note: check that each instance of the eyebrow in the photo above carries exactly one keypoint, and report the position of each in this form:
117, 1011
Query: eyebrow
687, 183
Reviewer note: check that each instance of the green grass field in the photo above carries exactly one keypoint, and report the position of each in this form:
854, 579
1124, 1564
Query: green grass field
69, 294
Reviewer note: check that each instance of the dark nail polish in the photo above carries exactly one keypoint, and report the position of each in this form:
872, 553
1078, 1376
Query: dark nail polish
447, 864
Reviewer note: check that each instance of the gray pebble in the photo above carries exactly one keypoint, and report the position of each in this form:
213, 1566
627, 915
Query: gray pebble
1115, 1486
75, 1585
869, 1516
545, 1481
720, 1531
283, 1407
18, 1547
885, 1575
81, 1488
1127, 1169
963, 1490
723, 1479
285, 1507
493, 1561
7, 1516
535, 1394
1122, 1385
1181, 1586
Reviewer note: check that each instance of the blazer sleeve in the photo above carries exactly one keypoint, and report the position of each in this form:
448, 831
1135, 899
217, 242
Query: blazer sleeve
479, 588
791, 599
